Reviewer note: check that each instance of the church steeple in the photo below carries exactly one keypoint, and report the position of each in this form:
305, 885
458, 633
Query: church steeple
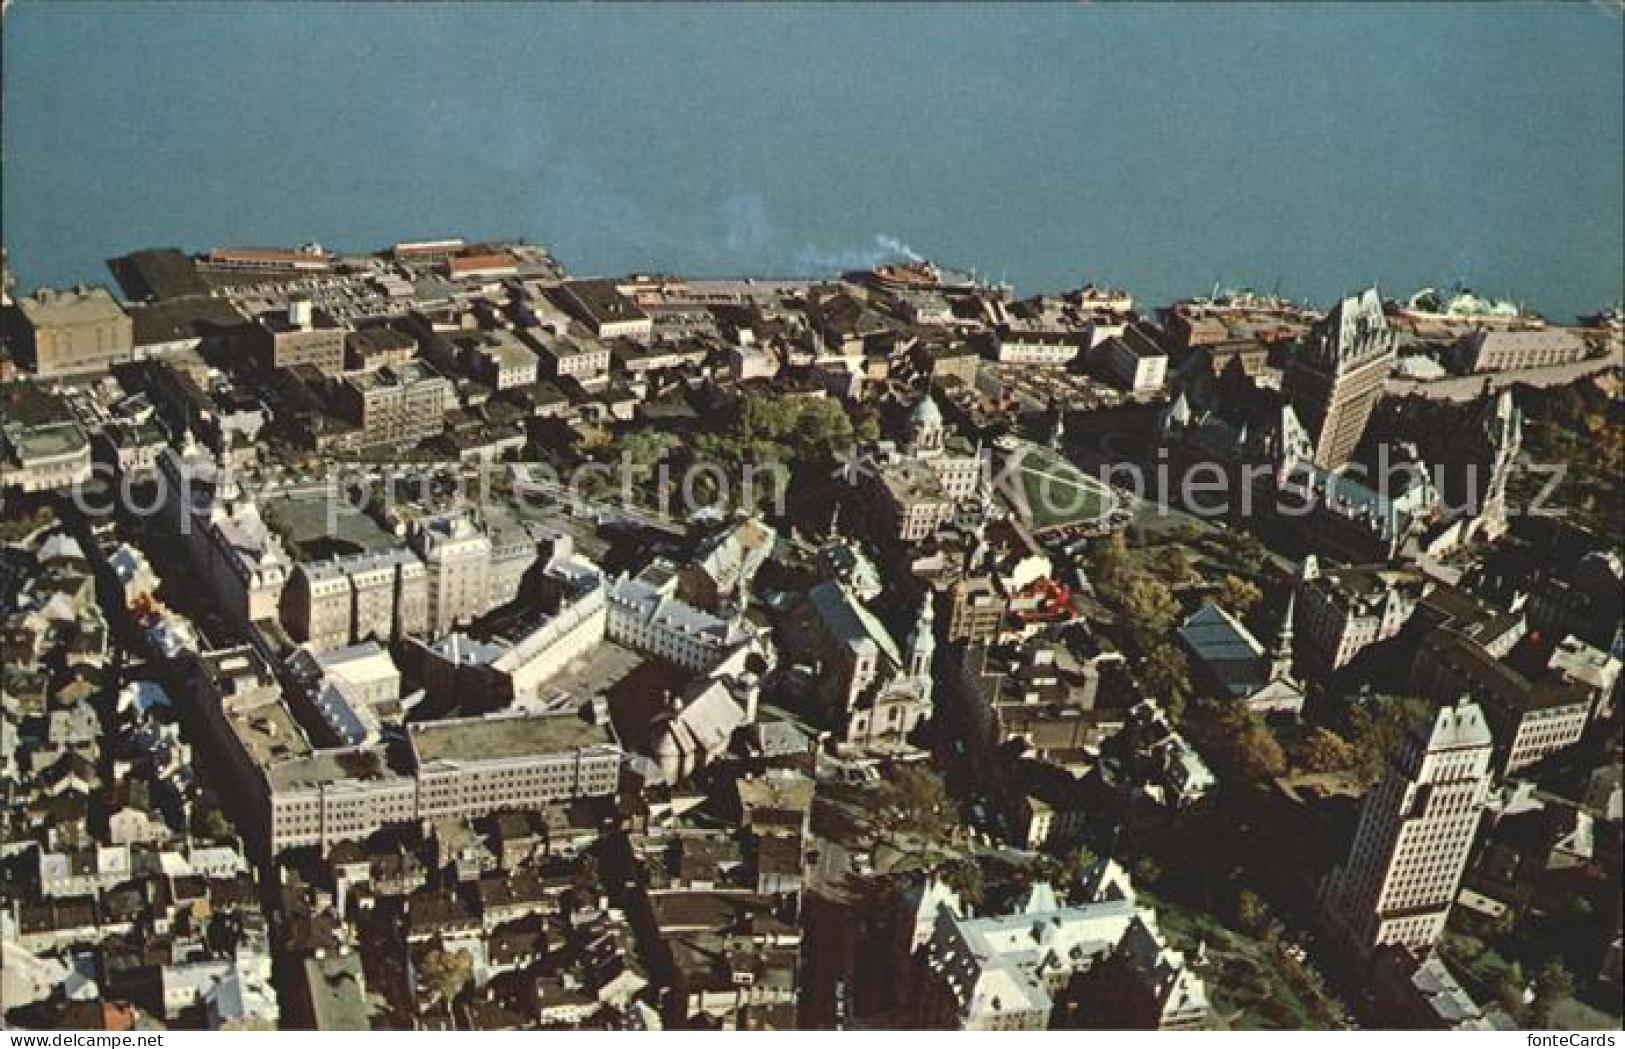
1281, 657
922, 642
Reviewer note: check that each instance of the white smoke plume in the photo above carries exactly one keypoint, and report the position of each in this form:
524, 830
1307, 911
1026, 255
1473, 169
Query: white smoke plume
897, 247
884, 247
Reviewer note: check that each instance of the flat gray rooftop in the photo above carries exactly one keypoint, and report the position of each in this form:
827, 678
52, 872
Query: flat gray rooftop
501, 738
303, 519
330, 768
592, 674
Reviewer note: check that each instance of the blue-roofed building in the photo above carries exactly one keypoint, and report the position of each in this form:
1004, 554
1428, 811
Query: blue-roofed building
1225, 650
1235, 663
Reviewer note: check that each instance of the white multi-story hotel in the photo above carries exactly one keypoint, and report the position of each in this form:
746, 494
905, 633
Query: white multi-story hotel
457, 556
229, 542
1416, 831
380, 593
470, 567
317, 611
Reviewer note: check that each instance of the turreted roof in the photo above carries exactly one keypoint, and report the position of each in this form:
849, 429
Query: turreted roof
926, 413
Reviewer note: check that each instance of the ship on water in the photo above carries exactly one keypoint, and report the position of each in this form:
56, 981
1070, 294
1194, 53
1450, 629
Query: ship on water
1463, 304
1247, 301
922, 275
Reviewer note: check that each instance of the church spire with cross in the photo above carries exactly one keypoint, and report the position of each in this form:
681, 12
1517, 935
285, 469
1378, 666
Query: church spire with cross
1281, 656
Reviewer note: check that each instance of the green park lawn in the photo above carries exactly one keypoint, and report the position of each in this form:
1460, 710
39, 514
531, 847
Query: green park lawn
1057, 493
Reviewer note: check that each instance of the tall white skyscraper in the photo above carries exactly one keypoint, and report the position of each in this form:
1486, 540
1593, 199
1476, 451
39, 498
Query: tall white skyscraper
1415, 834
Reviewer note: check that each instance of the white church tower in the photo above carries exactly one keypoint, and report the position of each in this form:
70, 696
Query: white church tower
922, 645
